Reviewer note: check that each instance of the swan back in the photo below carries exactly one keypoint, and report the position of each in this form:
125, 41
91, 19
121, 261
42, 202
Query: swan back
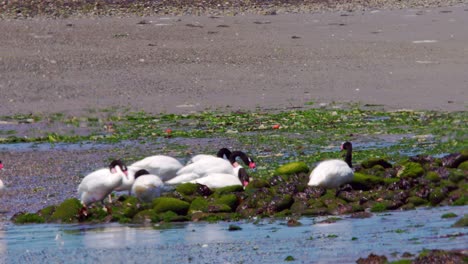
98, 184
331, 174
147, 187
164, 166
218, 180
206, 166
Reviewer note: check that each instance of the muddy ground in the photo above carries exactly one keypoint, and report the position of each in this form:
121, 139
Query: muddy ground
407, 58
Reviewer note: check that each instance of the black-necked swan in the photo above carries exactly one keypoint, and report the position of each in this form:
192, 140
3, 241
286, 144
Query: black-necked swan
97, 185
147, 186
202, 168
334, 173
223, 153
165, 167
219, 180
2, 186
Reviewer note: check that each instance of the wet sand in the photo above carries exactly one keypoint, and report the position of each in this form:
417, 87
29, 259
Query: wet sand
409, 58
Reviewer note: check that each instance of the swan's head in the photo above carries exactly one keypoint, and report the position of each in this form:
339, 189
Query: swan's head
347, 145
118, 164
140, 173
252, 164
243, 177
246, 159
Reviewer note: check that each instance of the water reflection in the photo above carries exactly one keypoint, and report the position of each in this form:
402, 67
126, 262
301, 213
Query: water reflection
110, 237
266, 242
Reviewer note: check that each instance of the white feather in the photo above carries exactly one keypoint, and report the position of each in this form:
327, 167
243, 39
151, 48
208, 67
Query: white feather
147, 187
331, 174
164, 166
218, 180
98, 184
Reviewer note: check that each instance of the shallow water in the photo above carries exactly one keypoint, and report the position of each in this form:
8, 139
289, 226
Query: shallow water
267, 241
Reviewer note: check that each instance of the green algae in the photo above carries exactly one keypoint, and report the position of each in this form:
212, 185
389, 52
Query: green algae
462, 222
164, 204
230, 200
28, 218
411, 170
67, 211
228, 189
292, 168
449, 215
199, 204
187, 188
370, 163
433, 176
463, 166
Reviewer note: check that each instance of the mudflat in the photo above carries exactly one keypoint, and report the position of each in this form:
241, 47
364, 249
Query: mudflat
405, 58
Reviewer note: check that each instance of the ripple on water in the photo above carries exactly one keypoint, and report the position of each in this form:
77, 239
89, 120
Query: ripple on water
266, 241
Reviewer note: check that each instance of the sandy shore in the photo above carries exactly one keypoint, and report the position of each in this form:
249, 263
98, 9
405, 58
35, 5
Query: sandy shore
409, 58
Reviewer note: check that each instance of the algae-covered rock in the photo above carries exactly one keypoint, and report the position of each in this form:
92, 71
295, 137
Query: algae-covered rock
433, 176
229, 189
145, 216
27, 218
292, 168
463, 200
410, 170
229, 200
375, 161
47, 212
463, 166
67, 211
379, 207
457, 175
437, 195
164, 204
280, 203
462, 222
257, 183
187, 188
199, 204
125, 209
417, 201
170, 216
365, 181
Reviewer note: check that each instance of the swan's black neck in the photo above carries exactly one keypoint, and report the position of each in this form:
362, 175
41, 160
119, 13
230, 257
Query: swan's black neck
140, 173
349, 149
224, 153
243, 176
241, 155
119, 163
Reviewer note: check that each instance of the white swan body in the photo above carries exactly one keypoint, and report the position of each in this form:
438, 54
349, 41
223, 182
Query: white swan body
236, 176
147, 187
200, 157
127, 182
331, 174
98, 184
223, 153
164, 166
334, 173
218, 180
202, 168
